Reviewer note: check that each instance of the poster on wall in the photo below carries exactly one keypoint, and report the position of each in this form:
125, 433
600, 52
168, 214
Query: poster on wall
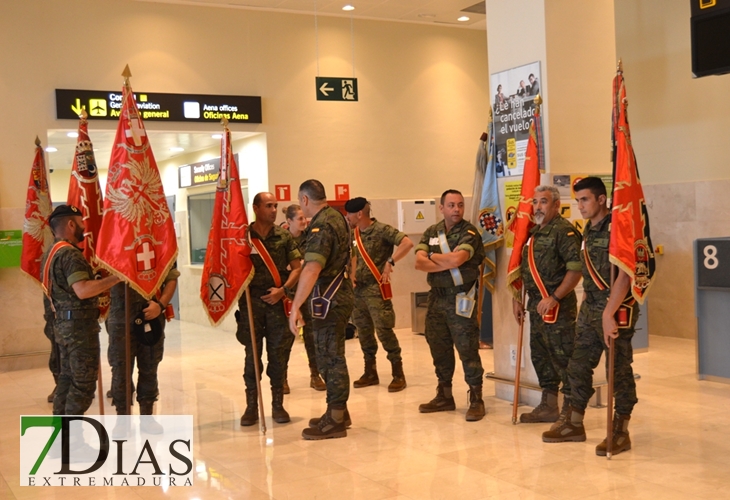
512, 190
514, 94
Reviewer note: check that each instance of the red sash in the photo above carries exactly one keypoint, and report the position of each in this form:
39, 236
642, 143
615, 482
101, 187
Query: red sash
385, 290
552, 315
261, 249
46, 281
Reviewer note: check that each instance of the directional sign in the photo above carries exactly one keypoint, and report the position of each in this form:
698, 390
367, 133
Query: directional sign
336, 89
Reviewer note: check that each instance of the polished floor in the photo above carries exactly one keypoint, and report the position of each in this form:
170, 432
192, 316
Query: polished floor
680, 433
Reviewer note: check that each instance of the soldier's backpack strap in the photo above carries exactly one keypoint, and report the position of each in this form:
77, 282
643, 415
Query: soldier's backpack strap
47, 282
455, 273
385, 290
271, 266
552, 315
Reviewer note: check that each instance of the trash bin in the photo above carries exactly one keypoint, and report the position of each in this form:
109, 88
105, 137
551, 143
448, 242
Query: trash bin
419, 307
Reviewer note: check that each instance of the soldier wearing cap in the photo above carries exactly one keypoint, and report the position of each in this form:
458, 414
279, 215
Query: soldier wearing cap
373, 307
324, 275
148, 317
451, 252
70, 285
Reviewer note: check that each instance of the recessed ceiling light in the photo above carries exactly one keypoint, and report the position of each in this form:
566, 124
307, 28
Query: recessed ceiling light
72, 134
51, 149
427, 15
177, 149
217, 136
348, 7
463, 19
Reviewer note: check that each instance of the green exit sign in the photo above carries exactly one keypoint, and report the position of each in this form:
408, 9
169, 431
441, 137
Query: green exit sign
336, 89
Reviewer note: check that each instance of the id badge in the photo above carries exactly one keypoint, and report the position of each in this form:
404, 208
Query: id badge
464, 305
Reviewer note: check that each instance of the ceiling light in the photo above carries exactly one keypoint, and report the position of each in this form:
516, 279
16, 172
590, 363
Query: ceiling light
463, 19
72, 134
51, 149
348, 7
177, 149
217, 136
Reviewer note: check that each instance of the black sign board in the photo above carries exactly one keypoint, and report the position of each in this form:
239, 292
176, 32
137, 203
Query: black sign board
336, 89
106, 105
203, 172
713, 262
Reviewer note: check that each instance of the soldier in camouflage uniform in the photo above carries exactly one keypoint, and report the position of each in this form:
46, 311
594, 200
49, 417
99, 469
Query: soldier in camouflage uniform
297, 223
445, 329
595, 324
325, 262
269, 318
372, 313
148, 357
73, 292
556, 246
54, 363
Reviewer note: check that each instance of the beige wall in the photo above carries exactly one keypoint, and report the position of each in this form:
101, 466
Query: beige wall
423, 98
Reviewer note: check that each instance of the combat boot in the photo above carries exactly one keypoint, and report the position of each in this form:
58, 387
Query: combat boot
444, 400
314, 422
331, 425
315, 381
147, 423
51, 395
569, 429
621, 439
370, 377
251, 415
563, 413
399, 379
546, 411
278, 413
286, 383
476, 409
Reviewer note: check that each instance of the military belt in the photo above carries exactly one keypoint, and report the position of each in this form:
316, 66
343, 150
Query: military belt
450, 290
78, 314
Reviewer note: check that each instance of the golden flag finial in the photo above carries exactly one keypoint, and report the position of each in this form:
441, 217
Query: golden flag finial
127, 74
620, 66
538, 103
37, 141
83, 115
224, 122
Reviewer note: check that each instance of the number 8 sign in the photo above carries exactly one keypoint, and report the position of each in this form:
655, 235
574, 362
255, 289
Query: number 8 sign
713, 262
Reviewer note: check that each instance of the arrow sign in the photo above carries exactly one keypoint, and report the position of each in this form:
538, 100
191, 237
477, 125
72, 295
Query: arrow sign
77, 109
336, 89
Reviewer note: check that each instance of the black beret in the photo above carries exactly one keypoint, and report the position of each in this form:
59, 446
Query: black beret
64, 211
355, 205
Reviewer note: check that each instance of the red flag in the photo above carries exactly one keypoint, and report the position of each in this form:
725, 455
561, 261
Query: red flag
228, 268
630, 245
84, 192
523, 219
137, 237
37, 235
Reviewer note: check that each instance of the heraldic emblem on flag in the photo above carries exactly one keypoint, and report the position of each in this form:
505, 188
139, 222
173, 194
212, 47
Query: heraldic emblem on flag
137, 237
37, 235
228, 268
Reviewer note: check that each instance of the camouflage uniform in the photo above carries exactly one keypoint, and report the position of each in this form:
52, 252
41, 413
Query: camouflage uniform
54, 363
76, 331
372, 313
328, 243
270, 321
589, 343
444, 328
557, 251
148, 357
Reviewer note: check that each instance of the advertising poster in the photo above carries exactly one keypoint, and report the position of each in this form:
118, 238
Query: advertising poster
511, 201
514, 94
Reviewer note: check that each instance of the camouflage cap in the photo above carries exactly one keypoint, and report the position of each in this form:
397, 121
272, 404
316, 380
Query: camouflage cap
355, 205
64, 211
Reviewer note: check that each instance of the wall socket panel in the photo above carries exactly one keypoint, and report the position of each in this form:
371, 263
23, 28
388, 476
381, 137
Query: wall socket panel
513, 356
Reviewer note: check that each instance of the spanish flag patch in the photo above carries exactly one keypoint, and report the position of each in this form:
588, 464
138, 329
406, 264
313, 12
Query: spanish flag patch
571, 233
471, 232
315, 229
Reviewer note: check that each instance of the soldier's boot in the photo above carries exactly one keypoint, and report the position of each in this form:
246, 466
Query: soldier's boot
546, 411
286, 382
51, 395
444, 400
278, 413
315, 381
621, 439
476, 409
563, 413
251, 415
331, 425
370, 377
147, 422
570, 429
399, 379
314, 422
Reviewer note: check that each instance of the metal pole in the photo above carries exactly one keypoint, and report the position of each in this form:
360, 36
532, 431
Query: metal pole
127, 349
518, 356
257, 367
100, 389
480, 297
609, 399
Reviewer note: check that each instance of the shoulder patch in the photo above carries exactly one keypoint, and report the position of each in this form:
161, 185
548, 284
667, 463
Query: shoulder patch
571, 233
314, 229
471, 232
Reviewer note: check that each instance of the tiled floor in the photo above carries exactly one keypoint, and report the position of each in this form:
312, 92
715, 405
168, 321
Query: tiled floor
680, 432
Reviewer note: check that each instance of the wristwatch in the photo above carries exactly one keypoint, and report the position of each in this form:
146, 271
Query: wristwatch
287, 291
391, 262
429, 255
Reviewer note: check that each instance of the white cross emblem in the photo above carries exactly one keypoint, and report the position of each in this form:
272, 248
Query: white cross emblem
145, 255
135, 131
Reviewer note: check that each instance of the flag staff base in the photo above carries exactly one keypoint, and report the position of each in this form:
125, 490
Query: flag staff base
518, 360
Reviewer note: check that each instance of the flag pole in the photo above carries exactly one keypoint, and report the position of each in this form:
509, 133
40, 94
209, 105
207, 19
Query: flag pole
480, 297
127, 351
257, 367
100, 390
518, 360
